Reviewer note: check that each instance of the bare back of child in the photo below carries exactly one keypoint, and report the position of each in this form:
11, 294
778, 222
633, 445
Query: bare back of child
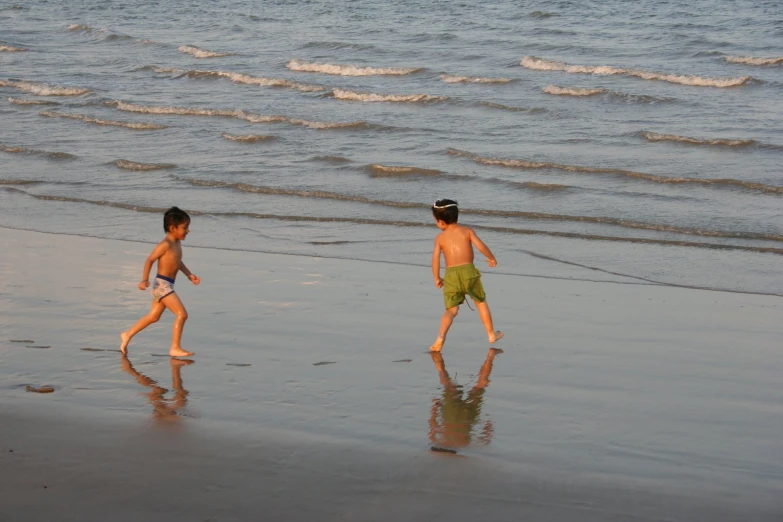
456, 243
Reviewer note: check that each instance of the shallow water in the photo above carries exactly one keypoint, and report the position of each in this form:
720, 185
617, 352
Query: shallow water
640, 142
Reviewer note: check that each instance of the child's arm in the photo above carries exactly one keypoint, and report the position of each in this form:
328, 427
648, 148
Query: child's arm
484, 249
156, 254
190, 275
436, 264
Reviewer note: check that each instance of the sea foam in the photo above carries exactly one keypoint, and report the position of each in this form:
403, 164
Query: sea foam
342, 94
42, 89
750, 60
230, 113
99, 121
654, 136
201, 53
348, 70
539, 64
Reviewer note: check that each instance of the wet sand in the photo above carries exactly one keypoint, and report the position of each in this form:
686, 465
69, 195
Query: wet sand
311, 395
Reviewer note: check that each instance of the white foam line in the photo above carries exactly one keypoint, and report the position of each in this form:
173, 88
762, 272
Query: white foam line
348, 70
201, 53
342, 94
539, 64
571, 91
230, 113
42, 89
98, 121
750, 60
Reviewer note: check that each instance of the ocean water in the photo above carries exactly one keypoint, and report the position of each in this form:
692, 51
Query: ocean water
586, 140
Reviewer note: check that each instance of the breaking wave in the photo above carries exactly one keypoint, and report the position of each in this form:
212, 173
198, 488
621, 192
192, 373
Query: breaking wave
342, 94
246, 79
750, 60
571, 91
42, 89
132, 165
386, 171
36, 152
21, 101
10, 49
653, 136
525, 164
201, 53
98, 121
493, 105
448, 78
348, 70
229, 113
249, 138
576, 91
539, 64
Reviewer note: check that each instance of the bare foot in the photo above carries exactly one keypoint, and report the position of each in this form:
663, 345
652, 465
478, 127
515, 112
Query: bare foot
125, 340
179, 352
493, 352
493, 338
437, 345
177, 363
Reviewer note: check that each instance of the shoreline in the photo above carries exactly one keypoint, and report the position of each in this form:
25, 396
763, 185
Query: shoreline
312, 394
632, 280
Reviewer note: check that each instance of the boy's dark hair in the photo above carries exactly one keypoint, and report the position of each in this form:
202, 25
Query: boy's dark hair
174, 217
446, 210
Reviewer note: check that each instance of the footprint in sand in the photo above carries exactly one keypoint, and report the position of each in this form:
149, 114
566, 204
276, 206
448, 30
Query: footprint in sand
324, 362
404, 360
38, 347
27, 341
238, 364
93, 350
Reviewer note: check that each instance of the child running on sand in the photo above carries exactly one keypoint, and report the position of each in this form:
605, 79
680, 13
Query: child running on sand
168, 254
461, 277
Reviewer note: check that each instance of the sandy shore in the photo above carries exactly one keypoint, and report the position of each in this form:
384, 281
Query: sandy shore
311, 395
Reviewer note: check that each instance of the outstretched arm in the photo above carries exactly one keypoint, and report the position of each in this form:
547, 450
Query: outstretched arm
156, 254
484, 249
436, 264
190, 275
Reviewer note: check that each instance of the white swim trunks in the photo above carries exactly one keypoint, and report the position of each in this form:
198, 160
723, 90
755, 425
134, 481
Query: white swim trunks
162, 287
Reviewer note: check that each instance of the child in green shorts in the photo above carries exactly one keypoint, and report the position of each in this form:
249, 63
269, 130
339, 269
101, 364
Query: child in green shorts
461, 277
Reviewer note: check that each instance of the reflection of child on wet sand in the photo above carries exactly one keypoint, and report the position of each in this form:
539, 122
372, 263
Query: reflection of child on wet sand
461, 278
163, 408
168, 254
453, 417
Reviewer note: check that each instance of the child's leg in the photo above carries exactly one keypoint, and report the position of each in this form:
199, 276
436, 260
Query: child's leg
445, 324
173, 303
486, 318
141, 324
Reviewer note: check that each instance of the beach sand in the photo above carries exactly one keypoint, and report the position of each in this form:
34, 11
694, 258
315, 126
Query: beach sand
311, 395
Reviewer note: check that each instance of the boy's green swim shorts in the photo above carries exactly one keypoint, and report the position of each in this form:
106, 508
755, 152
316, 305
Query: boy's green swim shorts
459, 281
